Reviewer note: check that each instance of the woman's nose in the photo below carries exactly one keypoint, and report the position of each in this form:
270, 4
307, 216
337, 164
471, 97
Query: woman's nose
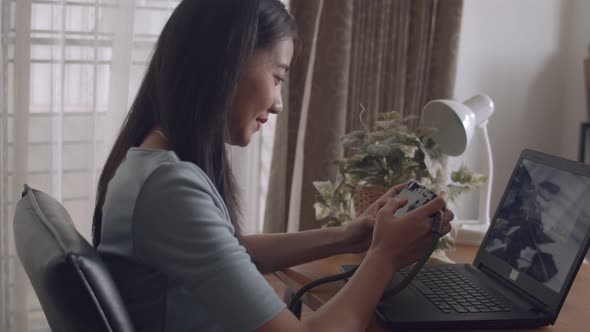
276, 108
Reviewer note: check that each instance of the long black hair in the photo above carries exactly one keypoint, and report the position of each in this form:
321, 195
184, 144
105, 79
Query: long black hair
190, 83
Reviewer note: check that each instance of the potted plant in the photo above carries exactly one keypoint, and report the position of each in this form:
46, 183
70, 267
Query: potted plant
377, 159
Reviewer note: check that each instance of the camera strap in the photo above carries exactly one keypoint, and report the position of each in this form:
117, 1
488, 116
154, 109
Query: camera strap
437, 233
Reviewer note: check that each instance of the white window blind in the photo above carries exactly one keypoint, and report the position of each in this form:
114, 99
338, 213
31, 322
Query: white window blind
69, 72
61, 61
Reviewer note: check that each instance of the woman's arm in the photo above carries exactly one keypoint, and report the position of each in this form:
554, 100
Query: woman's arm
272, 252
396, 243
352, 308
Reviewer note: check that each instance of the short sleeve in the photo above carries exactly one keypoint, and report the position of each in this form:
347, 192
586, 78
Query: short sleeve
180, 226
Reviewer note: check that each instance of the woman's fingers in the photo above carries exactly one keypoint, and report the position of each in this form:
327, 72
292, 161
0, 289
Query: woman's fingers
429, 208
397, 188
393, 205
448, 215
447, 228
392, 192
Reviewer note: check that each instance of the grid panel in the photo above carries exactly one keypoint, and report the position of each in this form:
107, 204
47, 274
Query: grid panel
70, 72
71, 52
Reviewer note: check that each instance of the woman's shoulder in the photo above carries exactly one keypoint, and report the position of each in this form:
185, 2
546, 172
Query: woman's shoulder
162, 174
163, 163
174, 188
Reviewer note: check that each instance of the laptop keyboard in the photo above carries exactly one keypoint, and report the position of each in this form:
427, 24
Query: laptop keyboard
451, 292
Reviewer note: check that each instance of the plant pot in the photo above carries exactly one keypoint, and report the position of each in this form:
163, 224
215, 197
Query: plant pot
364, 196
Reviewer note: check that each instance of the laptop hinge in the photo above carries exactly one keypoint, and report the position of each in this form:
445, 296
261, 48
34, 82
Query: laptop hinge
535, 303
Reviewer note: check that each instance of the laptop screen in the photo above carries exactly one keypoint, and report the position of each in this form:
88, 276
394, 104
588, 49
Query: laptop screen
542, 222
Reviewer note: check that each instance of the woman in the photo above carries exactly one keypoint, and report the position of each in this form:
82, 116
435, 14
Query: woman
166, 219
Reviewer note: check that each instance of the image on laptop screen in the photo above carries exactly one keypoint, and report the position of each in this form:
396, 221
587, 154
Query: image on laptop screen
542, 222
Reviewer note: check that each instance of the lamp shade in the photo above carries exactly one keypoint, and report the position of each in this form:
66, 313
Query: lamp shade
455, 125
455, 122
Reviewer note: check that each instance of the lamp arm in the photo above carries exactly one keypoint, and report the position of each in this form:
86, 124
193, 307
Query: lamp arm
487, 166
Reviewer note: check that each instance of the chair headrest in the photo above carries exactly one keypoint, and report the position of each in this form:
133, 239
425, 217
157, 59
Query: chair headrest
71, 281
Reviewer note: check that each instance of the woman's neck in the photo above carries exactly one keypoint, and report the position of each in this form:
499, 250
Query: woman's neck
156, 139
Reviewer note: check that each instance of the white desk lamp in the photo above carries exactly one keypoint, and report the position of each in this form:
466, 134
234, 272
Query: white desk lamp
456, 123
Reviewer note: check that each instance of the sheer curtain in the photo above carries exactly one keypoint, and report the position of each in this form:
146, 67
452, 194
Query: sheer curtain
69, 71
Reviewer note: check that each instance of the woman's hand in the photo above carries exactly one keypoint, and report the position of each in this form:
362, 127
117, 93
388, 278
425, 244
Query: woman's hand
358, 233
405, 239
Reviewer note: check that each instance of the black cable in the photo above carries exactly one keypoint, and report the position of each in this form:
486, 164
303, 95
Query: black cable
436, 235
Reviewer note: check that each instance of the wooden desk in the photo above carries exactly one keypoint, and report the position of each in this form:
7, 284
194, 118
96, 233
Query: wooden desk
574, 315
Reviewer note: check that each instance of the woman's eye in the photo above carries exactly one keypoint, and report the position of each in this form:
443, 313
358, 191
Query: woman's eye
279, 80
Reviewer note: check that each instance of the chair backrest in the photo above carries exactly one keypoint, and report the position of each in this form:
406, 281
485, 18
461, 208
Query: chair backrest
72, 283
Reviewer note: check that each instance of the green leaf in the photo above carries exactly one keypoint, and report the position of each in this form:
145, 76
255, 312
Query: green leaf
379, 150
432, 165
324, 188
409, 151
321, 211
389, 154
390, 116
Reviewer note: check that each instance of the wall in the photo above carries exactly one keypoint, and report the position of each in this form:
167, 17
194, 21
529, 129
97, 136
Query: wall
514, 51
574, 104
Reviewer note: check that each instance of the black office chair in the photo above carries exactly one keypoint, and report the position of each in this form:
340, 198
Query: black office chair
72, 283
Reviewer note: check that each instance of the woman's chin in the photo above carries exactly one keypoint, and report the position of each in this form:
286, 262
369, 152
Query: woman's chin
242, 141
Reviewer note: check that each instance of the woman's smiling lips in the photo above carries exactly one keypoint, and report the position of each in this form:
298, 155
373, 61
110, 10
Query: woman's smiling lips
260, 122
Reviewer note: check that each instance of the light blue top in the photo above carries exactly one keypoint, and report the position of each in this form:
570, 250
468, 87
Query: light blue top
171, 248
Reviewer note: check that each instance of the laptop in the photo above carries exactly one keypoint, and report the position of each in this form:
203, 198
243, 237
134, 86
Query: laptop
525, 265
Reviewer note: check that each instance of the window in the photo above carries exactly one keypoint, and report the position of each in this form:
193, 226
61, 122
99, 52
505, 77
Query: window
70, 69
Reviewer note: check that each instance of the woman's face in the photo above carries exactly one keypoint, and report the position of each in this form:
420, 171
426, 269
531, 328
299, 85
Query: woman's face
259, 91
